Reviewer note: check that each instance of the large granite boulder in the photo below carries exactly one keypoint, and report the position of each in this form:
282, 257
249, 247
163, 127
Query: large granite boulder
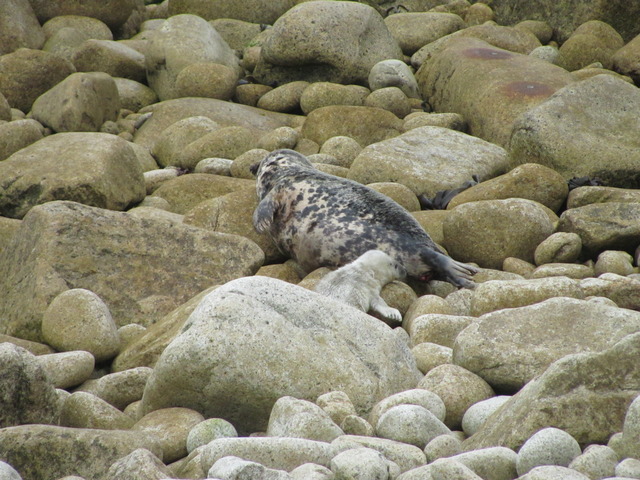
257, 339
95, 169
325, 41
19, 27
82, 102
489, 231
49, 452
584, 394
604, 226
181, 41
566, 16
429, 159
499, 346
26, 74
589, 128
142, 268
489, 86
27, 394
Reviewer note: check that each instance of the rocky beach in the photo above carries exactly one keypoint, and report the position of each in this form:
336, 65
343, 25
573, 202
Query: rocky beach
149, 332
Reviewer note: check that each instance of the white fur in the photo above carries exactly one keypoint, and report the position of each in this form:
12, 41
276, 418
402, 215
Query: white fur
359, 283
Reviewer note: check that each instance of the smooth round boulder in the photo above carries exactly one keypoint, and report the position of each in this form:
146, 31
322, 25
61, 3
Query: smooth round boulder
549, 446
410, 424
78, 319
489, 231
207, 431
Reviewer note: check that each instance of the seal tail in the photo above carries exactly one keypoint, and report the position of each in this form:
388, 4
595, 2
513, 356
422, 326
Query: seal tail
449, 270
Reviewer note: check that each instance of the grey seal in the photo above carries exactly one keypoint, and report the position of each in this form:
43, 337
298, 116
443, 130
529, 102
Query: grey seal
321, 220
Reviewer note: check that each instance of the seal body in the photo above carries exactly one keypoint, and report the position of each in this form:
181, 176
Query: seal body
359, 283
323, 220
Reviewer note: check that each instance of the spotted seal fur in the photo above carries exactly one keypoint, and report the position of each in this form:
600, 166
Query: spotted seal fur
323, 220
359, 283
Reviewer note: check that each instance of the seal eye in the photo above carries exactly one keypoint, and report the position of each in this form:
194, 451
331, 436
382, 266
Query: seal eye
254, 168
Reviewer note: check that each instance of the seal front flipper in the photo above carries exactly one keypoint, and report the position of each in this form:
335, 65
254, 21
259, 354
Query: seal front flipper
449, 270
379, 306
263, 214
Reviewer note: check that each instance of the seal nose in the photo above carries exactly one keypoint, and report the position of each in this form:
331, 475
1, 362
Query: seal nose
254, 168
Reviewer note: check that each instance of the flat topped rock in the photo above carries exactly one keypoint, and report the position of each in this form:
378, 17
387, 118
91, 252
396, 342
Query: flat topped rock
226, 114
138, 266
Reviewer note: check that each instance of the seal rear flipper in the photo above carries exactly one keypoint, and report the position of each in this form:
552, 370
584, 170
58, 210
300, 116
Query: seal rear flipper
449, 270
263, 214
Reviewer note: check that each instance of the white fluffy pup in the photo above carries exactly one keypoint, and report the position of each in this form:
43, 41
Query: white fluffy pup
359, 283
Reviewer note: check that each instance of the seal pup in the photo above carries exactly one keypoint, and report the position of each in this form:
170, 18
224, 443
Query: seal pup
321, 220
359, 283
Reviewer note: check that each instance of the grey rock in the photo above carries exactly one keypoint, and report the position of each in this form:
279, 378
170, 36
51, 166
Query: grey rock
597, 461
458, 388
428, 159
337, 405
82, 102
405, 456
269, 305
17, 135
623, 291
78, 319
549, 446
629, 467
442, 446
120, 388
446, 468
363, 464
438, 329
278, 453
410, 424
67, 369
564, 17
490, 95
184, 40
420, 397
27, 74
478, 413
530, 181
139, 464
28, 396
345, 56
85, 410
91, 27
56, 231
170, 427
225, 114
8, 472
393, 73
499, 294
581, 196
48, 451
413, 30
134, 95
549, 472
537, 132
591, 407
559, 247
310, 471
604, 226
291, 417
518, 226
497, 463
255, 11
19, 27
92, 168
209, 430
498, 345
114, 58
614, 261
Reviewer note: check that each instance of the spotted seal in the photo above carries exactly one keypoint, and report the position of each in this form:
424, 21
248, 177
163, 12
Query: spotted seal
323, 220
359, 283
